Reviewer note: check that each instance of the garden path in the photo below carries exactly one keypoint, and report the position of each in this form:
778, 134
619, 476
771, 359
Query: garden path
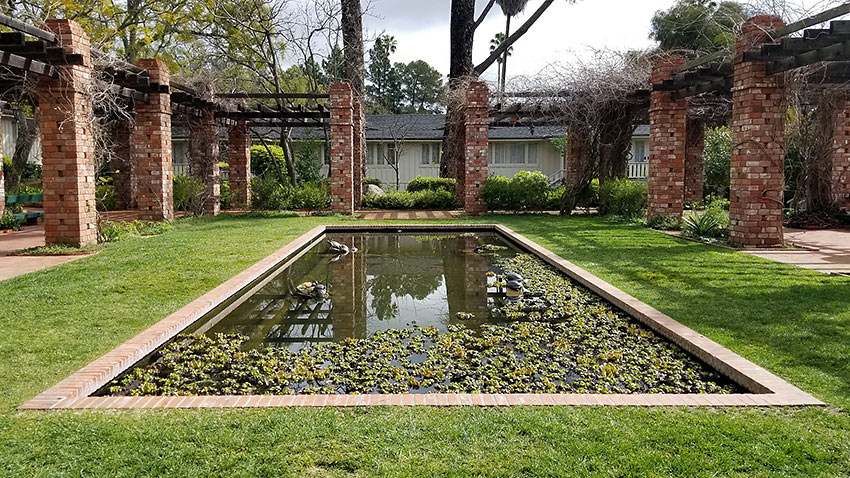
825, 251
30, 236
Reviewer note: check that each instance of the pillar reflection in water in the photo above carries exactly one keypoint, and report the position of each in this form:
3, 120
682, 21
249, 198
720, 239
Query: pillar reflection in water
348, 289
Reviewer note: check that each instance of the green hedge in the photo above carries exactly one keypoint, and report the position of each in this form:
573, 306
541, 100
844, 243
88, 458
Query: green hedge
412, 200
432, 184
527, 191
268, 194
623, 198
265, 165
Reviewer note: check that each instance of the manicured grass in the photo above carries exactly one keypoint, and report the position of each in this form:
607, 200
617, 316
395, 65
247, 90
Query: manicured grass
795, 323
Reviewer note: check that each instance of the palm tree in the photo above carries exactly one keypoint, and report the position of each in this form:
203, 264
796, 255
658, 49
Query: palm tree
510, 8
495, 43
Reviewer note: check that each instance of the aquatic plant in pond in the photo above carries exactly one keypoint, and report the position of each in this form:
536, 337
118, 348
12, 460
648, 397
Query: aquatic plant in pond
561, 339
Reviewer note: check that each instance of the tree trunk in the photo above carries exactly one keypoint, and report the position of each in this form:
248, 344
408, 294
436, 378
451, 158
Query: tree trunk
355, 69
27, 132
288, 155
462, 31
504, 72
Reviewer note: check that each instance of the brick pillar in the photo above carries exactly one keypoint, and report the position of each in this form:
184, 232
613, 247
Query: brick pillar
204, 150
239, 158
841, 152
359, 124
153, 171
693, 161
70, 210
667, 125
758, 128
121, 164
342, 148
472, 174
2, 181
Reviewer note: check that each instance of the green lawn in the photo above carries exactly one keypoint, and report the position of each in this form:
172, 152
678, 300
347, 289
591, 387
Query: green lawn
793, 322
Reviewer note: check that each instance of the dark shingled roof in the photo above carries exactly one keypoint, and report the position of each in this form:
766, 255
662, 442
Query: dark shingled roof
415, 127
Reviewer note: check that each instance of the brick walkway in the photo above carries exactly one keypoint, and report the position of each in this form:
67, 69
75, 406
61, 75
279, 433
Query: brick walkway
370, 215
32, 236
825, 251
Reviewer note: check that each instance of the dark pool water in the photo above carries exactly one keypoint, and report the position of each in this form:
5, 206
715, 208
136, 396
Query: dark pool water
392, 281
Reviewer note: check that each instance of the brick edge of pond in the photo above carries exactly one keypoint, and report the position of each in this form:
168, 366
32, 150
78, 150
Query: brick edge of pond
766, 389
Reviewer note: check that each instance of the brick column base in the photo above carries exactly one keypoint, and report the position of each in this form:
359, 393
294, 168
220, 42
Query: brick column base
70, 210
342, 148
758, 126
694, 161
204, 159
668, 127
153, 171
841, 152
239, 158
476, 152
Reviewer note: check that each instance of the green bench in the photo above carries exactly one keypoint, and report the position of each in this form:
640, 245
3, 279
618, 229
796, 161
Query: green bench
26, 217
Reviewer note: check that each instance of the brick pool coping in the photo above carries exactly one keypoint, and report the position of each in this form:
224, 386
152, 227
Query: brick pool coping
765, 389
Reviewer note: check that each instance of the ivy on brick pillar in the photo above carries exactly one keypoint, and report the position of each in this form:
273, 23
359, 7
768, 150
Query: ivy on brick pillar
65, 121
153, 171
694, 161
473, 172
239, 159
667, 138
359, 124
841, 152
121, 163
342, 148
204, 151
758, 128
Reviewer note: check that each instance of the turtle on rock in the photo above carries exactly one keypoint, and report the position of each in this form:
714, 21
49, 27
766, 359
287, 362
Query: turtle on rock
311, 290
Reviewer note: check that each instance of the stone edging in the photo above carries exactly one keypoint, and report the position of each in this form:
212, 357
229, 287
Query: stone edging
765, 388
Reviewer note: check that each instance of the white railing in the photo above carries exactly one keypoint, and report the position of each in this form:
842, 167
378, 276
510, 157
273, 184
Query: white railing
185, 170
638, 170
558, 178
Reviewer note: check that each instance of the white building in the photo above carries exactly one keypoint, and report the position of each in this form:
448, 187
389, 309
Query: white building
417, 140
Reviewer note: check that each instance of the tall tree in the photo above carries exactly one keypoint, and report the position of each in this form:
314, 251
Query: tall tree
698, 25
510, 8
355, 70
495, 43
422, 87
462, 34
384, 88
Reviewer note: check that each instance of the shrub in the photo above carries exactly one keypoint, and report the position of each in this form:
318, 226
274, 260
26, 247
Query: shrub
714, 202
375, 181
188, 194
265, 165
432, 184
712, 223
308, 160
623, 198
25, 190
527, 191
665, 223
224, 194
412, 200
105, 194
717, 161
589, 196
269, 195
9, 222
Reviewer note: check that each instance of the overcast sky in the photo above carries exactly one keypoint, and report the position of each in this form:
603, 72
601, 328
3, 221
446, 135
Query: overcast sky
565, 30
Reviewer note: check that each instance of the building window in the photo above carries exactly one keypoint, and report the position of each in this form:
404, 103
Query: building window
375, 154
514, 153
430, 154
391, 154
640, 152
